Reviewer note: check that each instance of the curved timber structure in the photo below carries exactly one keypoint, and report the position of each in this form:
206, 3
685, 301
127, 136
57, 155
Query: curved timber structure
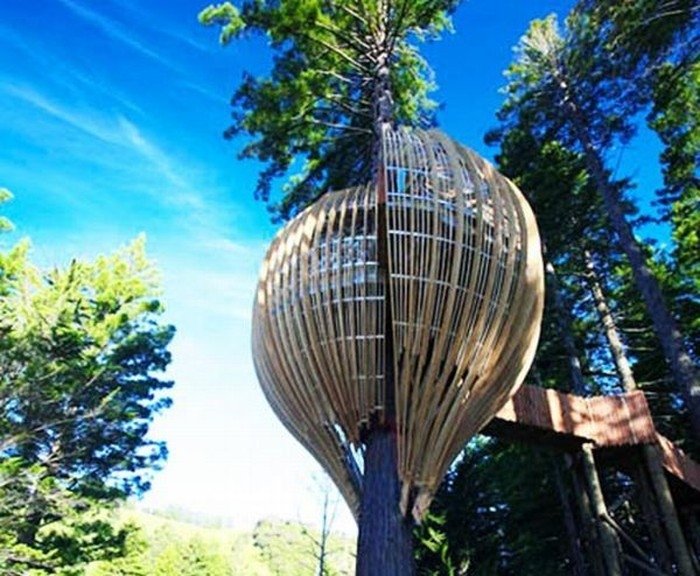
429, 280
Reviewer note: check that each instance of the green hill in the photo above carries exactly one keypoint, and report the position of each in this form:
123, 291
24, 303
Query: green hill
166, 545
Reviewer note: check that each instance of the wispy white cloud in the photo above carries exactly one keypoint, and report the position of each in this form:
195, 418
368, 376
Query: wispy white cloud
218, 98
151, 152
61, 72
87, 123
115, 31
166, 178
138, 12
229, 247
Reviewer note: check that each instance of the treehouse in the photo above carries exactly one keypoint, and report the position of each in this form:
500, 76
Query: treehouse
412, 302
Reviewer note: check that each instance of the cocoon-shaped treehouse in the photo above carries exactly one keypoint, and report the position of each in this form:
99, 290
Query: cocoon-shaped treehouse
414, 301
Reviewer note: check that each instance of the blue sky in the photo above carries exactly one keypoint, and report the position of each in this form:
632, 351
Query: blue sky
110, 126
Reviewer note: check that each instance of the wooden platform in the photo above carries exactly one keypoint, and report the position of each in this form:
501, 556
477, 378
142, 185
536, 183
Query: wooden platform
540, 415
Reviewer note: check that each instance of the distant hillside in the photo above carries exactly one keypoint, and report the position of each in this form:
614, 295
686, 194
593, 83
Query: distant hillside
163, 545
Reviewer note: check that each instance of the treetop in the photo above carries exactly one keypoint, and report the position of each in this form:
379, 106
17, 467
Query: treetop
319, 104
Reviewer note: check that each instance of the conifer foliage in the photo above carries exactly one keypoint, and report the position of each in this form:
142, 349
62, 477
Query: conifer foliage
318, 105
81, 349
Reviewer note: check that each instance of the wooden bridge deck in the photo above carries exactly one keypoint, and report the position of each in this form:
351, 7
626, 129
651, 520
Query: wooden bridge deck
567, 420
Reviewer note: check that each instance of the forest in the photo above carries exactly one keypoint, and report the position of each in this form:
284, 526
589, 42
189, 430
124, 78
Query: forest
83, 347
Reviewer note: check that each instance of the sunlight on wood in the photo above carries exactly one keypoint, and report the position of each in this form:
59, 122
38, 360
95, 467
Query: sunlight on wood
465, 286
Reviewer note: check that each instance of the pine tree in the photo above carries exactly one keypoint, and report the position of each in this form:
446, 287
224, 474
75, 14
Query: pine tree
571, 89
79, 356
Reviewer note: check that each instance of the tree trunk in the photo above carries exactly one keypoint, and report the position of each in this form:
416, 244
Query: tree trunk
682, 367
578, 384
590, 536
575, 545
658, 540
668, 512
325, 530
693, 532
385, 541
622, 365
609, 541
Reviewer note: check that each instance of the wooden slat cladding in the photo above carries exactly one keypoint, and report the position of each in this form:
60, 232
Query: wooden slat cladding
465, 281
466, 293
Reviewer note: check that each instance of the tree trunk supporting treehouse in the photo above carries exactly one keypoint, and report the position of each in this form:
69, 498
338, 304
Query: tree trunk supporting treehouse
652, 519
573, 531
385, 541
596, 566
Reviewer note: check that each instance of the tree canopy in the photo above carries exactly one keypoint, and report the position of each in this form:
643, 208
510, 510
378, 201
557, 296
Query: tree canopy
320, 102
80, 356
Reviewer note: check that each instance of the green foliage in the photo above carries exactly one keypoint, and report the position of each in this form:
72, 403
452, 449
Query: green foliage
574, 93
676, 119
655, 45
563, 80
79, 353
495, 513
191, 558
164, 546
88, 541
571, 96
595, 74
5, 224
319, 102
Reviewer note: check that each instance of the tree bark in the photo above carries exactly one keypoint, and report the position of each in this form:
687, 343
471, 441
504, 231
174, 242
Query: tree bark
595, 562
682, 367
578, 384
575, 545
658, 540
674, 531
385, 541
622, 365
693, 533
610, 543
590, 536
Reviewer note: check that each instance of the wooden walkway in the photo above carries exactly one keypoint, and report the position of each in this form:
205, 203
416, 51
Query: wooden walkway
567, 421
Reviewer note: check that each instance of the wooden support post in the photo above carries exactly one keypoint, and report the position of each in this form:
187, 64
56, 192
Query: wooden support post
691, 519
681, 553
577, 562
609, 541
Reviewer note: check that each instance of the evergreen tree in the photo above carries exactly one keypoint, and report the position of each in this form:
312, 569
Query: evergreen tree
79, 354
344, 74
572, 89
497, 512
338, 67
